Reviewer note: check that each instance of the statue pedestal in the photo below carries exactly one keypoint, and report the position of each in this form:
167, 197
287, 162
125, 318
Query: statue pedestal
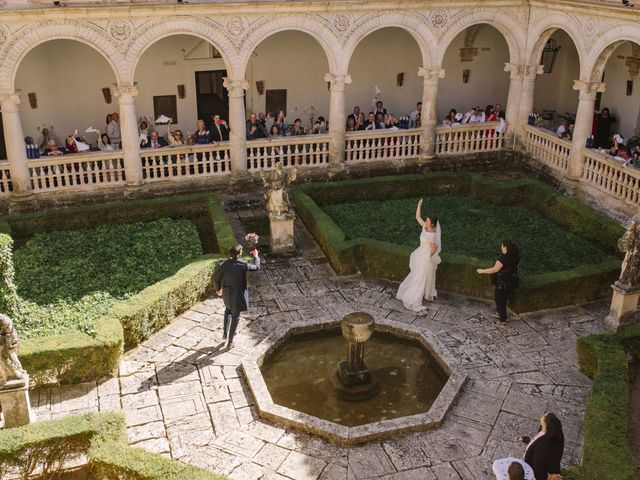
16, 407
282, 232
624, 305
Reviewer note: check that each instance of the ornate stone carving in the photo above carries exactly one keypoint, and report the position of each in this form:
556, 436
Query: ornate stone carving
235, 88
3, 35
10, 367
519, 72
338, 81
122, 90
588, 90
439, 18
276, 191
630, 244
236, 25
121, 30
589, 27
431, 75
342, 22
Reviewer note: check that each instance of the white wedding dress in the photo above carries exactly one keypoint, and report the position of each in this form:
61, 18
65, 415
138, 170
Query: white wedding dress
421, 281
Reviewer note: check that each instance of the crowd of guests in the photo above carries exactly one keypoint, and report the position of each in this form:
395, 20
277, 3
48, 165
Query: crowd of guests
476, 114
258, 126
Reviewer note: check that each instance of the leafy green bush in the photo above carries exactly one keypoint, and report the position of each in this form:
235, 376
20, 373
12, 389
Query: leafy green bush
606, 454
8, 295
45, 445
70, 278
585, 281
471, 228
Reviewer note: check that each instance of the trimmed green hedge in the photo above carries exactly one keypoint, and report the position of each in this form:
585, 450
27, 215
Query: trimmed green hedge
8, 295
111, 460
457, 272
606, 454
79, 357
102, 437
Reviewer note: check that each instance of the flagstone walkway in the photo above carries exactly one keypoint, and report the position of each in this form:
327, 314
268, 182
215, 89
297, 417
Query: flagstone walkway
183, 395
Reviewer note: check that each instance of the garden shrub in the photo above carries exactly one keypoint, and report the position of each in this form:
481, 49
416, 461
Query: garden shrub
351, 253
606, 454
8, 295
68, 279
101, 437
80, 357
111, 460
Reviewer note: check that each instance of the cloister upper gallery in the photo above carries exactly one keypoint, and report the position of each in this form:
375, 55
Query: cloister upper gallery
65, 67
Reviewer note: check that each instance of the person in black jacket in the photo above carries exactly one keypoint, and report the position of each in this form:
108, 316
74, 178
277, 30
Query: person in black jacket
505, 276
230, 282
544, 451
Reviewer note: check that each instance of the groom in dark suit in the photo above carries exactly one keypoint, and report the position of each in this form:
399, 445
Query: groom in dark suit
230, 282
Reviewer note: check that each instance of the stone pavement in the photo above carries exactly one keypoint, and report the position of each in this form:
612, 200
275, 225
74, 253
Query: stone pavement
183, 395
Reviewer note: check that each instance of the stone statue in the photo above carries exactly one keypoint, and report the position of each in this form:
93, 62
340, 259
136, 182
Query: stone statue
276, 194
10, 367
630, 244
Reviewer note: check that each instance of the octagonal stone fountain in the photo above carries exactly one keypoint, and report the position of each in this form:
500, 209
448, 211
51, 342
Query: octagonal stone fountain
300, 378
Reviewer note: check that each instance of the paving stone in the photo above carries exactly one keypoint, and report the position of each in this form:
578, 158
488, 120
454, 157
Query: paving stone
334, 472
176, 409
271, 456
369, 461
154, 445
141, 416
109, 387
300, 466
139, 400
146, 432
422, 473
239, 443
445, 471
405, 453
68, 398
177, 372
246, 471
223, 416
110, 404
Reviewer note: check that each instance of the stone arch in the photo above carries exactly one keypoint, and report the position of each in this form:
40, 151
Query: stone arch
197, 27
411, 24
26, 39
543, 32
314, 26
604, 47
510, 29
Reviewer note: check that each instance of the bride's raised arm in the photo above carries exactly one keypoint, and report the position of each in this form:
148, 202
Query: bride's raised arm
419, 213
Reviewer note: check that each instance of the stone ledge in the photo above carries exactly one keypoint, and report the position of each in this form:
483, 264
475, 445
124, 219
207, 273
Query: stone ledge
363, 433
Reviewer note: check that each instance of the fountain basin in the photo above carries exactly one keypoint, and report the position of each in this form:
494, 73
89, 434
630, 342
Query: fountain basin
287, 401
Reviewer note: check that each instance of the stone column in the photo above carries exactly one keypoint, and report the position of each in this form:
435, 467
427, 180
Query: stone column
237, 124
429, 113
584, 124
337, 117
129, 136
520, 98
14, 141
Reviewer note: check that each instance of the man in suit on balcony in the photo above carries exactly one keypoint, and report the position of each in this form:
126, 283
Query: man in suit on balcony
219, 130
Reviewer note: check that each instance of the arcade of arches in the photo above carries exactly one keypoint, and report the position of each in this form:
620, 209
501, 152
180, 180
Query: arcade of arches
60, 69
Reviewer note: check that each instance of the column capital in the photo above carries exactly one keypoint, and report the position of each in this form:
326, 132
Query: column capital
587, 89
523, 72
431, 74
126, 90
10, 97
337, 80
235, 87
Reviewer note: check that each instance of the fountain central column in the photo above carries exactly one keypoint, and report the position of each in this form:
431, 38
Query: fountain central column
354, 380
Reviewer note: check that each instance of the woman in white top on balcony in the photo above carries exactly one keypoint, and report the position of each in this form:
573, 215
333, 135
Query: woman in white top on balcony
423, 263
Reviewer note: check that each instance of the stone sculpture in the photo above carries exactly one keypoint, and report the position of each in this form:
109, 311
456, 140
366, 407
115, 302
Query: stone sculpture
630, 244
276, 194
10, 367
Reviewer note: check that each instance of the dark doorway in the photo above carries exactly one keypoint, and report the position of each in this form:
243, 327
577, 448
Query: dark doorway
3, 149
276, 102
212, 97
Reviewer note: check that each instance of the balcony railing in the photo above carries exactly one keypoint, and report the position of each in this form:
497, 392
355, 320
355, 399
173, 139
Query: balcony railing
544, 146
77, 172
5, 178
469, 138
295, 151
608, 175
368, 146
186, 161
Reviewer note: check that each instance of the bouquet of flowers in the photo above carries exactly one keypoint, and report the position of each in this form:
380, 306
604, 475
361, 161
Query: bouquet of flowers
252, 239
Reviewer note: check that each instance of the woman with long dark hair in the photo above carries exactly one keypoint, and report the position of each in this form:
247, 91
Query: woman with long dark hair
505, 278
544, 451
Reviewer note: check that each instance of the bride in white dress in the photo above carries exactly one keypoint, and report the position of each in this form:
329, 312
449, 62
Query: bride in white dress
423, 263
